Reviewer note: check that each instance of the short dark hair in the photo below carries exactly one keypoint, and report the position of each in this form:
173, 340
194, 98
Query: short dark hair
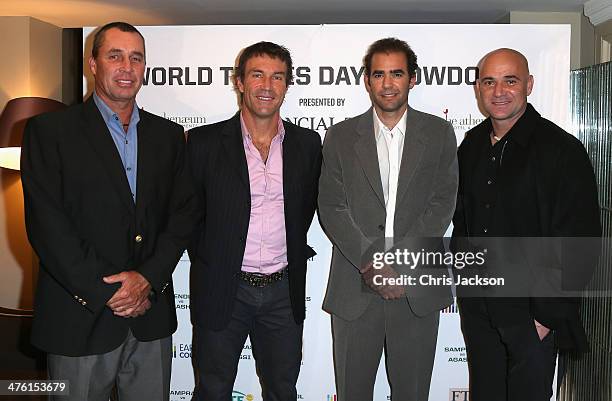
99, 36
390, 45
264, 48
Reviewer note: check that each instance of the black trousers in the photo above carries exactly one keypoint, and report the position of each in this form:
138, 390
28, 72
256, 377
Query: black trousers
506, 363
265, 315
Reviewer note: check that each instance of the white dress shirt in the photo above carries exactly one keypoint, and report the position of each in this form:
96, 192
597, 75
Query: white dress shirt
389, 148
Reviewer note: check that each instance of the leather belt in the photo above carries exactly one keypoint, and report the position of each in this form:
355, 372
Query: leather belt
262, 280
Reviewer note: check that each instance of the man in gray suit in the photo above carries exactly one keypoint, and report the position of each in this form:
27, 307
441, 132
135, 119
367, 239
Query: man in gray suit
389, 173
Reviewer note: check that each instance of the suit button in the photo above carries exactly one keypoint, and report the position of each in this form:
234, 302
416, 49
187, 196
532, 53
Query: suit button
138, 238
381, 227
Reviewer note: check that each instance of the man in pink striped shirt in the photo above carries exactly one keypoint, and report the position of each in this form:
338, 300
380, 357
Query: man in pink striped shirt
256, 177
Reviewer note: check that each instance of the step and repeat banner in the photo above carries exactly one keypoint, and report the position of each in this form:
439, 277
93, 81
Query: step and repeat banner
188, 80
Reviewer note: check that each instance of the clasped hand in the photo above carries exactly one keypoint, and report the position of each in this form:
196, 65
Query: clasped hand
131, 299
368, 274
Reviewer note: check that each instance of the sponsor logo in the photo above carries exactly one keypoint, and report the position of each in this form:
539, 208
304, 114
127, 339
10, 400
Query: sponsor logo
180, 395
458, 394
462, 122
188, 122
456, 354
331, 397
181, 351
238, 396
181, 301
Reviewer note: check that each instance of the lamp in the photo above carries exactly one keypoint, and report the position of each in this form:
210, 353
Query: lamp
19, 358
12, 122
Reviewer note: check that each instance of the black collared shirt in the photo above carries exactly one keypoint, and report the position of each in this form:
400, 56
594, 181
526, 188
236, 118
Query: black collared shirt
500, 171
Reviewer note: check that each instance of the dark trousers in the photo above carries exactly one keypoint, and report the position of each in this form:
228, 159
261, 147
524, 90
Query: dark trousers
506, 363
265, 315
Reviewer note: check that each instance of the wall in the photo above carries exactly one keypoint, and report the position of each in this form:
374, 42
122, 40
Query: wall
583, 39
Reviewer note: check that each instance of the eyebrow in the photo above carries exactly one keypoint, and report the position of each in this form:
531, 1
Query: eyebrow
505, 77
274, 73
391, 71
115, 50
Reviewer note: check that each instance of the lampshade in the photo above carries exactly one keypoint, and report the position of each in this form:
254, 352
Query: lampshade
12, 122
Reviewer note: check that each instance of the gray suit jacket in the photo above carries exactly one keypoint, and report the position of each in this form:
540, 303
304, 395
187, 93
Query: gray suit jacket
352, 208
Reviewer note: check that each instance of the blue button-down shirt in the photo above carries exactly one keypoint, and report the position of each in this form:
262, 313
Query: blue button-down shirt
126, 142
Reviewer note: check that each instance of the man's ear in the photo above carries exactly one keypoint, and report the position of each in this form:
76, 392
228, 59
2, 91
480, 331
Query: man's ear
92, 65
529, 84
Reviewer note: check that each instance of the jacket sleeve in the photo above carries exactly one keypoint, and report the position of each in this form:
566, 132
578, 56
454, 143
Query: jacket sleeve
183, 217
334, 213
441, 205
69, 259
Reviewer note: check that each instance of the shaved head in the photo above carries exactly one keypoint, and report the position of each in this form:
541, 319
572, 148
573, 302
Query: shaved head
503, 85
505, 52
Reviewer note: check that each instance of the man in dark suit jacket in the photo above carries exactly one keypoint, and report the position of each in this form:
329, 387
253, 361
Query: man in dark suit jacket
109, 211
256, 176
389, 174
524, 179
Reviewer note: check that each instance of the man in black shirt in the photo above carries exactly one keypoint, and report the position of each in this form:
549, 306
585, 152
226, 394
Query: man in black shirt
521, 176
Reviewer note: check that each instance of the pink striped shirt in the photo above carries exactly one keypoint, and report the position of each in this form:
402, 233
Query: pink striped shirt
266, 244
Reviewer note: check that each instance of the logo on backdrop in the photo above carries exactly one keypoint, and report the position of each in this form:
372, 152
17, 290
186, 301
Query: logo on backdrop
181, 351
462, 122
181, 301
247, 354
324, 75
180, 394
455, 354
458, 394
239, 396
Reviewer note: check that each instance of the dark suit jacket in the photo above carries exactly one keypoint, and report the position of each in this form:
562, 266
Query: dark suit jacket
219, 167
352, 205
82, 222
547, 189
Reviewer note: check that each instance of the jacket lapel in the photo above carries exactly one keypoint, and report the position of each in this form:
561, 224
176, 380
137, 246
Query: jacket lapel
365, 148
414, 146
234, 149
96, 131
292, 161
292, 166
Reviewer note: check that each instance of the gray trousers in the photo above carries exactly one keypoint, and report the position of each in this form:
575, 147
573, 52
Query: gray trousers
409, 343
135, 371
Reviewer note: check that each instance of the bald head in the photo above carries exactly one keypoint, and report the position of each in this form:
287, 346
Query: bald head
503, 86
505, 55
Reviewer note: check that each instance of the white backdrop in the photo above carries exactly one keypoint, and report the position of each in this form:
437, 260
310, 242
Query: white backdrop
187, 81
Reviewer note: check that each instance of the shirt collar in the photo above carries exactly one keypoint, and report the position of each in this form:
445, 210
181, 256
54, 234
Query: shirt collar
399, 127
521, 131
110, 116
246, 135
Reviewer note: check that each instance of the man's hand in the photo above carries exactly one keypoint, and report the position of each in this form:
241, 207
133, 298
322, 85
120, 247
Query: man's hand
386, 291
131, 299
542, 330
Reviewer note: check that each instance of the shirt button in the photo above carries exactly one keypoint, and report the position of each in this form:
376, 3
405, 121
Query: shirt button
129, 169
138, 238
489, 182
